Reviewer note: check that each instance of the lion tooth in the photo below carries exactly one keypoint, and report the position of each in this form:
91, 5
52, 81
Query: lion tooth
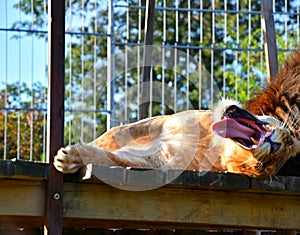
254, 141
265, 128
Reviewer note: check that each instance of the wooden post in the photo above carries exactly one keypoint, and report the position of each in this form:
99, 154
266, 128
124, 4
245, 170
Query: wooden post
145, 83
269, 38
286, 232
55, 118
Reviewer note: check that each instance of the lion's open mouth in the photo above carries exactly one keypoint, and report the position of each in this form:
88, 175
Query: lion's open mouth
244, 128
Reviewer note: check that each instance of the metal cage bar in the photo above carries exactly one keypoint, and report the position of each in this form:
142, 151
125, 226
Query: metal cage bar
174, 29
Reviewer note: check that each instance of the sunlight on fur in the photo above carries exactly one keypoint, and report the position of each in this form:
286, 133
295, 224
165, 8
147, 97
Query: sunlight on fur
255, 140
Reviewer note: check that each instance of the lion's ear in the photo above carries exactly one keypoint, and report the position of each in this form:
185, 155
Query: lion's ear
223, 104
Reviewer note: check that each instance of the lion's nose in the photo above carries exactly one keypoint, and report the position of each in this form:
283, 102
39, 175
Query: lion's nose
274, 145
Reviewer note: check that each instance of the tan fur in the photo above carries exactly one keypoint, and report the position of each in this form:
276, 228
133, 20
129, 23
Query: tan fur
179, 141
185, 140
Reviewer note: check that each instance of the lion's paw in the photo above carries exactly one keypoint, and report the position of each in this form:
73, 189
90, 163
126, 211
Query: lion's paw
68, 160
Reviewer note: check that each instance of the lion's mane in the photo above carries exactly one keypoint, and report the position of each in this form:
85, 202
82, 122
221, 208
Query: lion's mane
281, 99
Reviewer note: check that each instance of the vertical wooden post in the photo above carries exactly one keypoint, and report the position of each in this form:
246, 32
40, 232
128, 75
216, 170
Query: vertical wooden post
55, 118
269, 38
145, 83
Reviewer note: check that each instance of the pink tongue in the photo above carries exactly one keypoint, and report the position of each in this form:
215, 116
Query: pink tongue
229, 128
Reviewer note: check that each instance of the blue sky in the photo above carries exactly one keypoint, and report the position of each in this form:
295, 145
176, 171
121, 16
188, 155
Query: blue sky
22, 59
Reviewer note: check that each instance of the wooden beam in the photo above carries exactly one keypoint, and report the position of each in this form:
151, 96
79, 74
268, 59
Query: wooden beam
23, 195
179, 208
193, 200
101, 206
138, 179
55, 115
270, 46
22, 203
286, 232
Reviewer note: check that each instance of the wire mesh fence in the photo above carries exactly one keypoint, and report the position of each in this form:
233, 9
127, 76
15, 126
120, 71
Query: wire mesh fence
23, 62
203, 50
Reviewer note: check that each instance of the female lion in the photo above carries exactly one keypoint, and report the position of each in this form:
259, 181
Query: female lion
255, 141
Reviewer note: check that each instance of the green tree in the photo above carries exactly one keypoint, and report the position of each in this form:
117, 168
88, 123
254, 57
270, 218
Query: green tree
22, 123
85, 83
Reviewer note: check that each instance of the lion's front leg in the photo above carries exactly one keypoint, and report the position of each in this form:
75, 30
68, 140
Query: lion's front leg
71, 158
68, 160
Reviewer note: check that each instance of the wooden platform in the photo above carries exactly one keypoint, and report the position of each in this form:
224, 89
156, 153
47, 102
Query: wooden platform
193, 200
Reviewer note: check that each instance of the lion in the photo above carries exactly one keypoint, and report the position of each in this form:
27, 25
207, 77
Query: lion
255, 140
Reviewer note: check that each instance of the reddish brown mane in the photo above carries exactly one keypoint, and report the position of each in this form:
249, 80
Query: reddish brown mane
281, 99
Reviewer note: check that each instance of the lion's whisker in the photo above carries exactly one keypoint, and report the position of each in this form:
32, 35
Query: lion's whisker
285, 122
294, 120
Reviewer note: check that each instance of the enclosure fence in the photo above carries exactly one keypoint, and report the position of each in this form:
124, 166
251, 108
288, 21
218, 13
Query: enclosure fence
202, 50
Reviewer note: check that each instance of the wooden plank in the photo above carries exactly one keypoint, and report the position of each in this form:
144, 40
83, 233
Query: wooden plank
286, 232
23, 195
19, 169
181, 205
268, 26
21, 231
77, 231
139, 179
55, 116
178, 208
145, 83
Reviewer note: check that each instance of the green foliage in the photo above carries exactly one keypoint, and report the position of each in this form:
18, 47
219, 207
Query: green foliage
240, 77
22, 123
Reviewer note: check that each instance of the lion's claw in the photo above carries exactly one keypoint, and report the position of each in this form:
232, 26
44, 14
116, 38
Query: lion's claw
68, 160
